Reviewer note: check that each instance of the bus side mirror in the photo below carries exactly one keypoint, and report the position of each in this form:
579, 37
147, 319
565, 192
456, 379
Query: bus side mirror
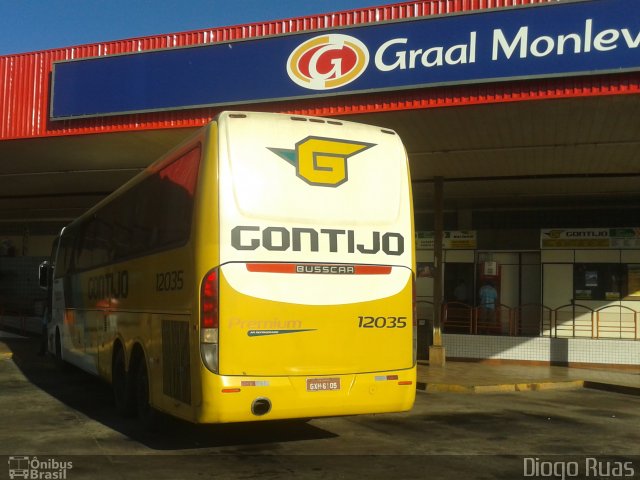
44, 274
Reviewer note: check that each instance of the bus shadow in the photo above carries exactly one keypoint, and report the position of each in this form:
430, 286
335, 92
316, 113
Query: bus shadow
93, 398
240, 438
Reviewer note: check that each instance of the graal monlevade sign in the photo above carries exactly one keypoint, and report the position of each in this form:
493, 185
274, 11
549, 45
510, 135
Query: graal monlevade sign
559, 39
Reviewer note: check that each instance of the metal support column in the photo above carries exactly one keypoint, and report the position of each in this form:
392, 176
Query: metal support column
436, 351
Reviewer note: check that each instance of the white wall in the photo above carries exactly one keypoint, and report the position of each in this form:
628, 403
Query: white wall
543, 349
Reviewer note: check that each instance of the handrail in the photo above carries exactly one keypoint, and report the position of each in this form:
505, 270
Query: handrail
457, 315
575, 328
570, 320
490, 321
621, 327
543, 311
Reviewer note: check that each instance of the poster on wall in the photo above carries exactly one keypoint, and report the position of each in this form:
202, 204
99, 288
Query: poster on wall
591, 278
583, 295
625, 237
425, 269
451, 240
490, 269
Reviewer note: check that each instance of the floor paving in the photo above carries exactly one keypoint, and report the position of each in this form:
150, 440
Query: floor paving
478, 377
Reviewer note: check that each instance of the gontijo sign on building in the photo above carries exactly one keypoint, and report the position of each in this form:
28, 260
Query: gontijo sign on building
574, 238
580, 37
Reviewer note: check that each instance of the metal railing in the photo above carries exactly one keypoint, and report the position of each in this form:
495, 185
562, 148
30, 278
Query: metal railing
534, 320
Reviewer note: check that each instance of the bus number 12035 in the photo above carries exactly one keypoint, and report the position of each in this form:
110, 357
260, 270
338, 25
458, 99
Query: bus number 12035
169, 281
382, 322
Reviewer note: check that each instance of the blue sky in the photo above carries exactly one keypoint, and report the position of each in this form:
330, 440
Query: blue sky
29, 25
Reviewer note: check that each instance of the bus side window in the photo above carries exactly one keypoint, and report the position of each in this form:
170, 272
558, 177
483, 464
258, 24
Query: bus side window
65, 252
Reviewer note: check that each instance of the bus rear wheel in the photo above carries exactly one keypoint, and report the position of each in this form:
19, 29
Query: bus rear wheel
123, 395
59, 361
58, 351
146, 413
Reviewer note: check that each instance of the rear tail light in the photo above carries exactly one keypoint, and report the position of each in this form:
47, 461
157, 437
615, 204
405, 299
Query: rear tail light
209, 320
209, 300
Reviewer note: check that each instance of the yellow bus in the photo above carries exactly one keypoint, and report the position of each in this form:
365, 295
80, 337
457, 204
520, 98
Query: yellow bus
264, 269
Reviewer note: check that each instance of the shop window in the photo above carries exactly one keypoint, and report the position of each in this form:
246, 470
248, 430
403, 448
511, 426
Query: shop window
633, 282
606, 281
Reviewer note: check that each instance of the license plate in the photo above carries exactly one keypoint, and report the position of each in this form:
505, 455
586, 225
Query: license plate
322, 384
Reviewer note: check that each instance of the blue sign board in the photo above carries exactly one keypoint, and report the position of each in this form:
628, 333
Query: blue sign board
580, 37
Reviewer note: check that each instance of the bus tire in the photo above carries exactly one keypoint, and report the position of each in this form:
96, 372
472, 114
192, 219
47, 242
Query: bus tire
147, 415
58, 351
123, 395
59, 361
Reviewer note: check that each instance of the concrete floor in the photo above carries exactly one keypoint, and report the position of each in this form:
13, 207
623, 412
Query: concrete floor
68, 416
484, 377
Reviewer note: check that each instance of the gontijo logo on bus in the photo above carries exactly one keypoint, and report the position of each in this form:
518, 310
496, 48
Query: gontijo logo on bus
322, 161
327, 61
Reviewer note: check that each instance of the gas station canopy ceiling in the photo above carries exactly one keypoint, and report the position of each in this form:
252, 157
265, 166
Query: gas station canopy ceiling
575, 153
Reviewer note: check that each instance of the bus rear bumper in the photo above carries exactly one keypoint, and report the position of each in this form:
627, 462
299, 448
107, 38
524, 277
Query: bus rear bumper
245, 398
